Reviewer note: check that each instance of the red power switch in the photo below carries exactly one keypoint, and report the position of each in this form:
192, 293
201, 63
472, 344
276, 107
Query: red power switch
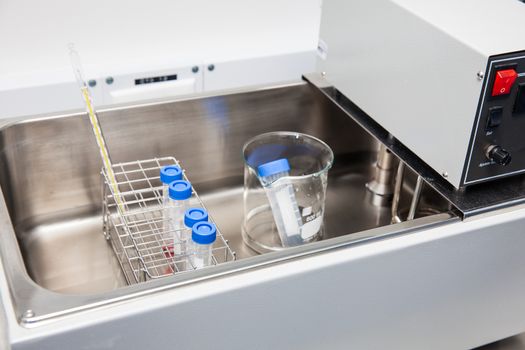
503, 82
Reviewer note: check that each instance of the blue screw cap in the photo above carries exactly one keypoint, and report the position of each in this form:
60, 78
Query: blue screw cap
195, 215
204, 233
180, 190
273, 167
170, 173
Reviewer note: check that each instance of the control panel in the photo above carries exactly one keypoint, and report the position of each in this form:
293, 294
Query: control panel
497, 146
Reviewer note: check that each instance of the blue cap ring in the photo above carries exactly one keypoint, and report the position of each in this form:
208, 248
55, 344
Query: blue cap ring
180, 190
203, 233
273, 167
195, 215
170, 173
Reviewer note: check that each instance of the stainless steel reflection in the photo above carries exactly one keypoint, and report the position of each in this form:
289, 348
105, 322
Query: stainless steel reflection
382, 184
51, 222
397, 192
415, 198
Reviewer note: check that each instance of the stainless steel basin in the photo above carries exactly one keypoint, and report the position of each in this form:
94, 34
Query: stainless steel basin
56, 257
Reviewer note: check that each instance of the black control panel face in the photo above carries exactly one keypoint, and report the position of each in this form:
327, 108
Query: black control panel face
497, 146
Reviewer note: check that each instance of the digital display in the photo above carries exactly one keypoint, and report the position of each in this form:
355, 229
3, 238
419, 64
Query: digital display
159, 79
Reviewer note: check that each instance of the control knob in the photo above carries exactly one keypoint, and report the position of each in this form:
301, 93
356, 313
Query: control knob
498, 155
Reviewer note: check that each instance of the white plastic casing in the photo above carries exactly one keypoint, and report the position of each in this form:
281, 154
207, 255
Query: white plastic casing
412, 65
248, 42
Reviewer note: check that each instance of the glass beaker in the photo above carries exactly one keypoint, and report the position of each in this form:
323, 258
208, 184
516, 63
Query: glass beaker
285, 177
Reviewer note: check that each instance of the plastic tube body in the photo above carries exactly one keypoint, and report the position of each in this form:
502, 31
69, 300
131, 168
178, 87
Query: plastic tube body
176, 210
200, 254
165, 195
180, 192
202, 237
168, 174
283, 203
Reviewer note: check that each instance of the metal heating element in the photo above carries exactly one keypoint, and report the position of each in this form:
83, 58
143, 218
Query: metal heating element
138, 228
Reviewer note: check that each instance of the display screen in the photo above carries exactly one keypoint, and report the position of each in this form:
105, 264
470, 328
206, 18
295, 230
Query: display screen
158, 79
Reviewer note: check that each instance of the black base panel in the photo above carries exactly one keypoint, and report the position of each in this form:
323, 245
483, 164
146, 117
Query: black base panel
508, 134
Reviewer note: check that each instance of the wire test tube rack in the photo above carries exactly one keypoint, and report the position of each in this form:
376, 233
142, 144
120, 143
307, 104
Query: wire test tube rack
135, 224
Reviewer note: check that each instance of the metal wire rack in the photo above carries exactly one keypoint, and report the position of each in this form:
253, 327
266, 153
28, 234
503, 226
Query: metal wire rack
135, 223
